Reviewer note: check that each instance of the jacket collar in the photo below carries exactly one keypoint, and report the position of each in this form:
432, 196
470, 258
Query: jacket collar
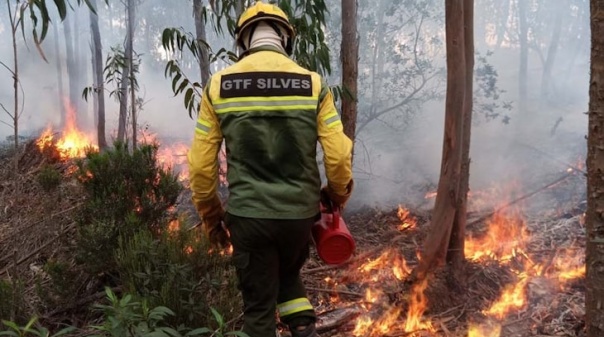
262, 48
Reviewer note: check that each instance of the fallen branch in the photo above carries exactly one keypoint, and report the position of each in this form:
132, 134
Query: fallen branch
24, 227
334, 291
517, 200
549, 156
333, 319
81, 302
36, 251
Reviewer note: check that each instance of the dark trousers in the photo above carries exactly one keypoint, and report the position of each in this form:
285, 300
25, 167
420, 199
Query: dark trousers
268, 255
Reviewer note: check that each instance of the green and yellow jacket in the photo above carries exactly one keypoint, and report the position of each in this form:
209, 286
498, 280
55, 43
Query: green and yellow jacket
271, 112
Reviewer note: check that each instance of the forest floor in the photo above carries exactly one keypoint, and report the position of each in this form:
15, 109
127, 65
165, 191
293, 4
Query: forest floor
524, 275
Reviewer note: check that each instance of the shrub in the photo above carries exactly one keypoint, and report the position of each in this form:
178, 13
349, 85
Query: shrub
177, 271
126, 193
128, 317
49, 178
11, 300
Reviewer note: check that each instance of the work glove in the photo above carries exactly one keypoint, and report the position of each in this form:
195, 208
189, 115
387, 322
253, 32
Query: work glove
212, 213
330, 197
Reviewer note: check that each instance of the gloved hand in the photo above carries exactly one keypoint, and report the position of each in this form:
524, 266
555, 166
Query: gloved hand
212, 213
329, 196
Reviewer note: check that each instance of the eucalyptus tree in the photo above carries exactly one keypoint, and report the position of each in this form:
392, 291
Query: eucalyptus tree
445, 240
594, 260
97, 71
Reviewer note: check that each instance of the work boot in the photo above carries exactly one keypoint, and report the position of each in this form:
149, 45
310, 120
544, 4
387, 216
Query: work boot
305, 331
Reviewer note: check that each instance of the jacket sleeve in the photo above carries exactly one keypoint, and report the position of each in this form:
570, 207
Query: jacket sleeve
203, 155
337, 147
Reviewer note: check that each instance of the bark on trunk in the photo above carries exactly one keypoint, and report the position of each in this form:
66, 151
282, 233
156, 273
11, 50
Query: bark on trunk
594, 297
552, 49
98, 76
349, 55
15, 81
77, 60
523, 70
60, 89
130, 56
200, 31
455, 254
121, 127
72, 72
444, 213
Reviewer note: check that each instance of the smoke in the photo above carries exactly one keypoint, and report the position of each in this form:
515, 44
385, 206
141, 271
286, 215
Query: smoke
397, 157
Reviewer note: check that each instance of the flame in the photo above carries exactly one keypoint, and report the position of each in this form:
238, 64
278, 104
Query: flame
430, 195
513, 297
174, 156
367, 326
417, 307
73, 143
569, 265
407, 220
390, 261
506, 237
488, 329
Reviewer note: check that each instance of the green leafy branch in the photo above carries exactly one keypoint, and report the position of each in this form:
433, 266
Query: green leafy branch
175, 41
30, 329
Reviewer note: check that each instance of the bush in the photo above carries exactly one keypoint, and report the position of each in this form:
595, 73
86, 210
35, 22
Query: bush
49, 178
11, 300
177, 271
126, 193
128, 317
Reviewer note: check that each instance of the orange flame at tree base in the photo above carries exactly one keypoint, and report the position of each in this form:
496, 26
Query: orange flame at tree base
73, 143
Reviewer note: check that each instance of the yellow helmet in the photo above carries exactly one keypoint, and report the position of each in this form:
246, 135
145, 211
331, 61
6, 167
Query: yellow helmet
271, 14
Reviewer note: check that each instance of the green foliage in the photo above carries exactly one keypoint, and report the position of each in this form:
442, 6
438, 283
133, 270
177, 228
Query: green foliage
487, 94
65, 279
30, 329
127, 317
176, 40
126, 193
49, 178
40, 18
113, 74
177, 271
11, 299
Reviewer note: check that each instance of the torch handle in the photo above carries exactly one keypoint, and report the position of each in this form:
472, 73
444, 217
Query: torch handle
335, 217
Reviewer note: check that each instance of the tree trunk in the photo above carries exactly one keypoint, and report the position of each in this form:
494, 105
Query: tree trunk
98, 76
447, 198
130, 57
455, 256
523, 70
77, 63
349, 55
552, 49
502, 21
200, 31
15, 81
121, 127
594, 297
72, 71
60, 89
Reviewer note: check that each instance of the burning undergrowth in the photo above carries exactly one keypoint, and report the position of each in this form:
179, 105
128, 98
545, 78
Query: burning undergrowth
524, 276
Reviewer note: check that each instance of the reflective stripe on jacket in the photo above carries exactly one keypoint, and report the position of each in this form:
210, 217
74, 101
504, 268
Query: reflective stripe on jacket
271, 113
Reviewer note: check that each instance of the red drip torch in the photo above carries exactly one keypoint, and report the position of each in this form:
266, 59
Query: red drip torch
332, 238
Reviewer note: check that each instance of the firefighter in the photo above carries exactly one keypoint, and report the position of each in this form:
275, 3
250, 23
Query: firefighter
270, 112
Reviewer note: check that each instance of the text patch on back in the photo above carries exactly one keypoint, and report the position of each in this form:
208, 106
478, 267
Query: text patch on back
265, 84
